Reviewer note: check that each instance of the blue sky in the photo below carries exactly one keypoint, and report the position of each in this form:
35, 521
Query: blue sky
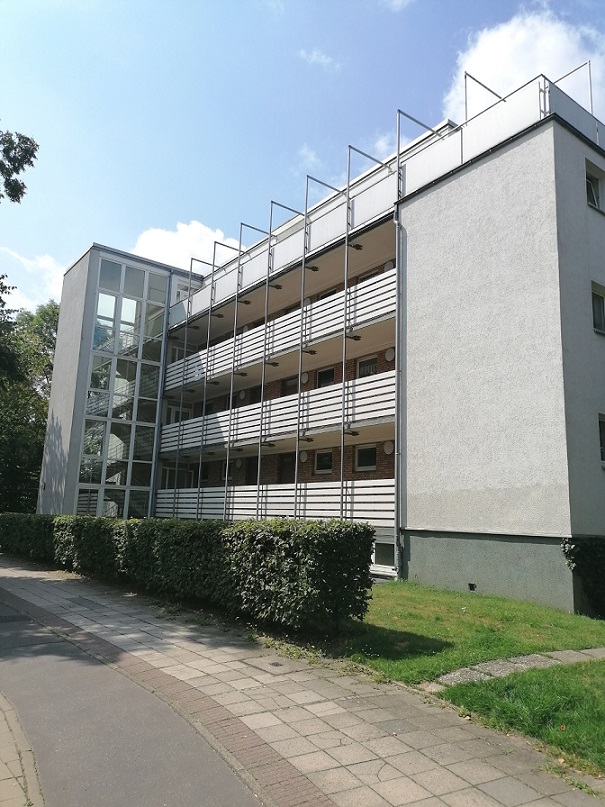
164, 123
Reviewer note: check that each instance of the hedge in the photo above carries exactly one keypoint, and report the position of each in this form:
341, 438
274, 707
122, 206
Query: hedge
300, 575
28, 536
585, 556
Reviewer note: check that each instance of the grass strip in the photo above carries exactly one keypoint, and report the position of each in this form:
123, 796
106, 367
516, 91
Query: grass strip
414, 633
563, 707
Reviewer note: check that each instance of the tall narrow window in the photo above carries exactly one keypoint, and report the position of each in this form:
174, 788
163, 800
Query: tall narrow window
602, 436
598, 312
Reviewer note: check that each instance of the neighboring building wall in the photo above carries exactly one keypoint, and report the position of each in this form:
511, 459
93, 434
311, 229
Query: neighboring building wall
485, 422
581, 235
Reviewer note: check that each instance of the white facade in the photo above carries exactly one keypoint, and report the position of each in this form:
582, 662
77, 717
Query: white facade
421, 350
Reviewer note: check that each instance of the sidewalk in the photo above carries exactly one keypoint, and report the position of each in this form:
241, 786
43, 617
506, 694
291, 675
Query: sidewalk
298, 734
19, 786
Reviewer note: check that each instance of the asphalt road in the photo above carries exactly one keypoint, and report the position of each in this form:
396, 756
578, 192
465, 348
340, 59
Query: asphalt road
99, 739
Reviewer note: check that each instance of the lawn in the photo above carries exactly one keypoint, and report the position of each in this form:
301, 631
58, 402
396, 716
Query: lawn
413, 633
562, 706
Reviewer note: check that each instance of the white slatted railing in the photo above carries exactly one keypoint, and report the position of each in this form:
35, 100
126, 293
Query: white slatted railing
372, 501
368, 301
365, 399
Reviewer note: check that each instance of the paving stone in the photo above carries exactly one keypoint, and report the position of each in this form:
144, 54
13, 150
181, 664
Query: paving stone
315, 761
568, 656
350, 754
261, 720
575, 798
412, 762
517, 763
360, 797
295, 747
334, 780
362, 732
439, 781
510, 792
465, 675
546, 784
312, 726
476, 772
387, 746
497, 669
273, 733
401, 791
470, 798
374, 771
330, 739
533, 661
595, 652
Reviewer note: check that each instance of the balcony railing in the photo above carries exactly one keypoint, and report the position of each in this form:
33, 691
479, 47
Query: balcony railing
369, 301
372, 501
320, 409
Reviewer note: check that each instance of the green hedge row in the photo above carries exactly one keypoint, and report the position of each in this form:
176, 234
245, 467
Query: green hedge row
586, 556
301, 575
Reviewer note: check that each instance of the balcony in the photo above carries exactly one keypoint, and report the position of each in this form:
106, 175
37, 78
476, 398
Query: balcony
371, 501
366, 399
368, 302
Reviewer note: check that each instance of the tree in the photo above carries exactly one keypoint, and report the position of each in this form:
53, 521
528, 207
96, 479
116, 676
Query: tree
24, 394
17, 152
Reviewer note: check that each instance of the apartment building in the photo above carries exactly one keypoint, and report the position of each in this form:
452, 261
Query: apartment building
422, 349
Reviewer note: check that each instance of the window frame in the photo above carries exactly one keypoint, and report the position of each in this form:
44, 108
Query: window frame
323, 452
365, 468
598, 300
319, 385
360, 361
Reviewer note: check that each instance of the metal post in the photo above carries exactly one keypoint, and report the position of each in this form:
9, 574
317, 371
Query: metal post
205, 393
182, 395
238, 288
265, 340
302, 323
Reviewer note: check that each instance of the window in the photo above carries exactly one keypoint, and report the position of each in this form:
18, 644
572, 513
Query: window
251, 471
289, 386
592, 191
594, 185
254, 394
327, 293
367, 367
323, 462
369, 275
602, 436
325, 377
287, 468
598, 311
224, 470
365, 458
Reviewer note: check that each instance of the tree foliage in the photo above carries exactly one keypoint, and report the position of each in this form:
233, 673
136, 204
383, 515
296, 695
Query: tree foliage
17, 152
26, 361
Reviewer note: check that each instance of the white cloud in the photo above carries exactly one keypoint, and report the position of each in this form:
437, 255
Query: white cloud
384, 145
308, 160
177, 247
396, 5
506, 56
319, 58
37, 280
